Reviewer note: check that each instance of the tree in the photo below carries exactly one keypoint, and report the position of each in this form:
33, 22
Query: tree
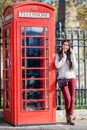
82, 16
39, 0
5, 3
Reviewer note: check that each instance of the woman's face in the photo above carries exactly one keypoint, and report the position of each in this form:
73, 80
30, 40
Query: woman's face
65, 46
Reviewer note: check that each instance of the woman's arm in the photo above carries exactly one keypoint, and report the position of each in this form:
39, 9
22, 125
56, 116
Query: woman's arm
59, 63
73, 60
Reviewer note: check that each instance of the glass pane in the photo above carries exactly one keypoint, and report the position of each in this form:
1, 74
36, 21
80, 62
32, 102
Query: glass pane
23, 84
23, 63
32, 63
6, 41
23, 73
7, 63
46, 42
46, 52
34, 105
32, 84
23, 52
6, 46
7, 105
22, 41
7, 74
33, 41
7, 53
23, 95
22, 30
32, 74
7, 84
46, 31
33, 94
46, 63
34, 31
33, 52
47, 84
47, 72
47, 94
24, 106
6, 33
7, 95
47, 104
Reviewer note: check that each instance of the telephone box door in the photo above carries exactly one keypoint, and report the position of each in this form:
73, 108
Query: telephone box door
34, 87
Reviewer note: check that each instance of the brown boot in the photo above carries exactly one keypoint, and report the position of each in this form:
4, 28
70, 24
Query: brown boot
67, 118
70, 120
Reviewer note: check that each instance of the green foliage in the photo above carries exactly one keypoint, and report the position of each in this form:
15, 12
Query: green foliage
82, 16
68, 3
5, 3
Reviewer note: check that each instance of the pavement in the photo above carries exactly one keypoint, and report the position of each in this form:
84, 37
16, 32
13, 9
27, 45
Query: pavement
80, 119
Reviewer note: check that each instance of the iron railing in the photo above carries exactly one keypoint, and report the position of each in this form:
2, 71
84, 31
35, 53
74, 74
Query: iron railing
79, 44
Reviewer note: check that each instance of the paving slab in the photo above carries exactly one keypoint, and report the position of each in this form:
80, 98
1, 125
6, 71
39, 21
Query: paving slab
80, 123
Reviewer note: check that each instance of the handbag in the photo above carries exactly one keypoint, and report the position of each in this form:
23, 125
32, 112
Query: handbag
62, 82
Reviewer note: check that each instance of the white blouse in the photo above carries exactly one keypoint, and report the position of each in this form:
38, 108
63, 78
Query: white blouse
63, 67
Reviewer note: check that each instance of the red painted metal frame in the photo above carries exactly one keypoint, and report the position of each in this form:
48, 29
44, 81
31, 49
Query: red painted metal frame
15, 115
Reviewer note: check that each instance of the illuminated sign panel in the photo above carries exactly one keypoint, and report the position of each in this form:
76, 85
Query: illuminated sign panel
34, 15
8, 17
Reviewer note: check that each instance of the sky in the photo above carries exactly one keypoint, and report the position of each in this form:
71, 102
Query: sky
48, 0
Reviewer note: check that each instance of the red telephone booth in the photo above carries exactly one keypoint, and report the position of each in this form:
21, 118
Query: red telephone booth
28, 64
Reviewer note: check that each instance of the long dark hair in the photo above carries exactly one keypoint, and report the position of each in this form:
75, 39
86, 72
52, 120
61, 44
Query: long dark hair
68, 53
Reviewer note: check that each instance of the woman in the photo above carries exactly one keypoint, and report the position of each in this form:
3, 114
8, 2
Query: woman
66, 64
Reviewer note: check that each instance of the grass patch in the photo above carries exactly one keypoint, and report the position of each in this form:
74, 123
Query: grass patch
80, 107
